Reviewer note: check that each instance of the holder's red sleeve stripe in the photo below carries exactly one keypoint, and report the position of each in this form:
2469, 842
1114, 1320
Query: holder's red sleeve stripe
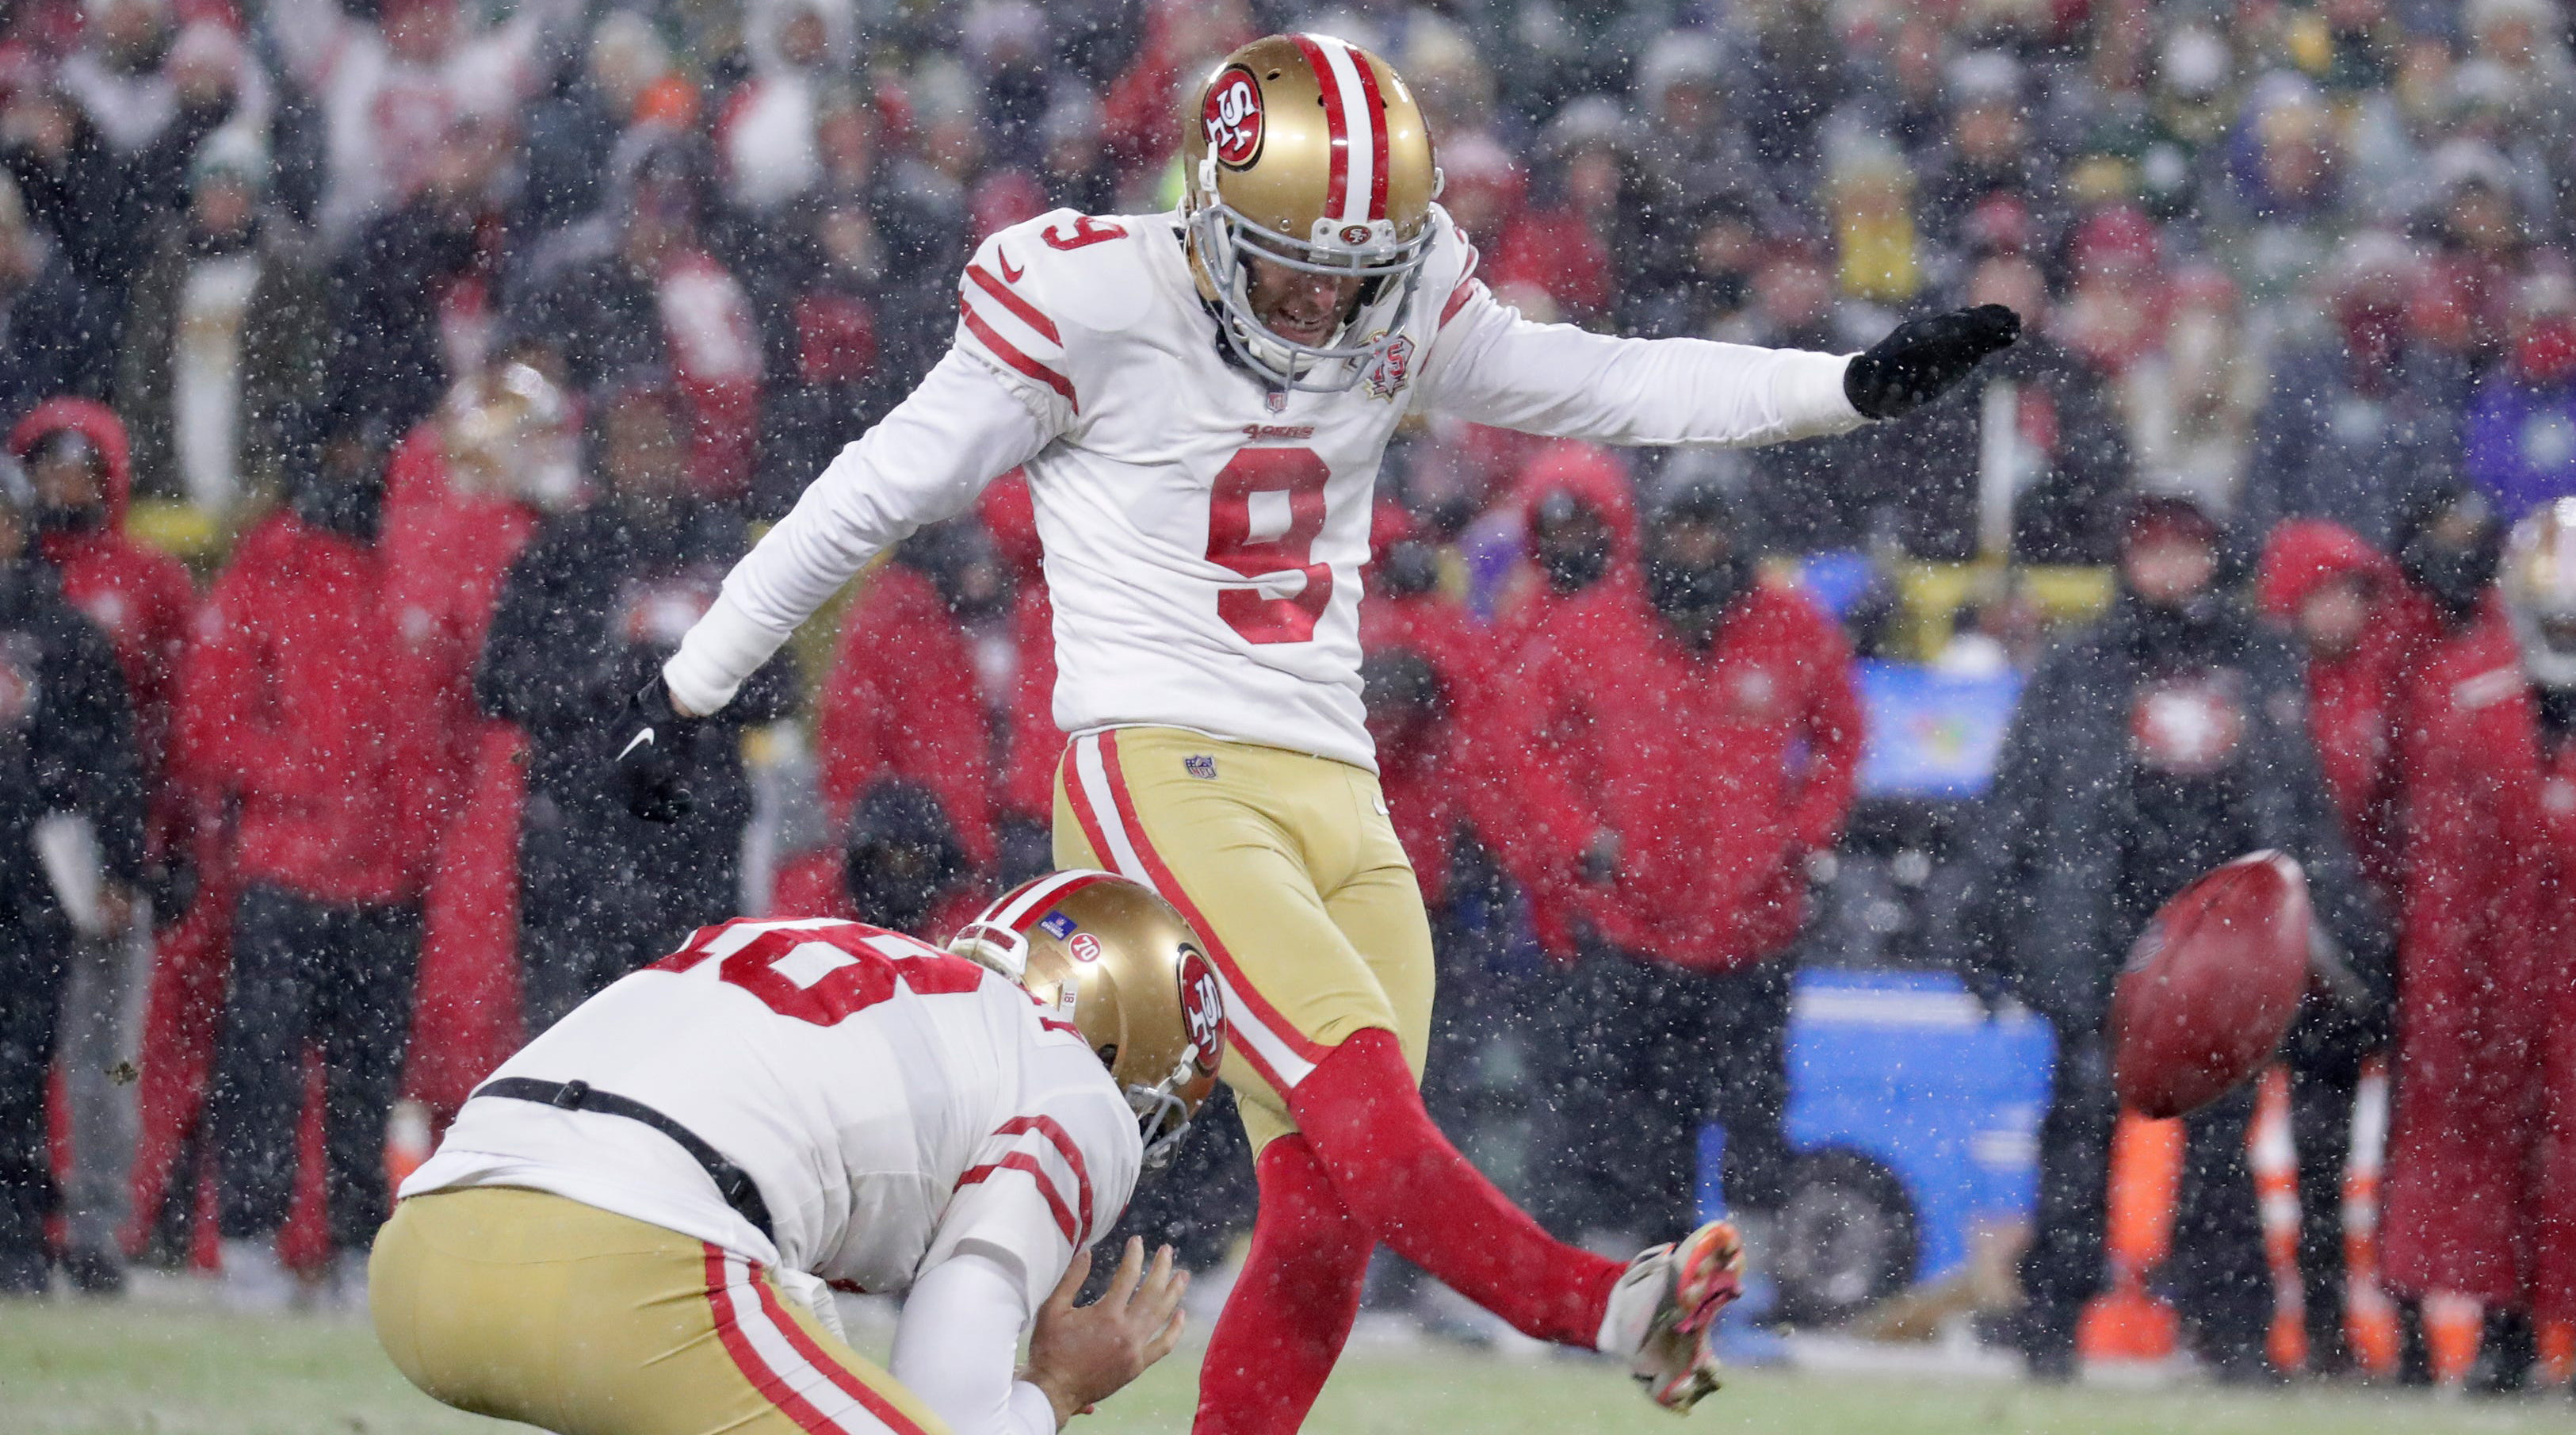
1022, 1161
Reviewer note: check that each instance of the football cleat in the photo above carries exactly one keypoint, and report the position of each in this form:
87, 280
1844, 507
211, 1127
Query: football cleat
1700, 1275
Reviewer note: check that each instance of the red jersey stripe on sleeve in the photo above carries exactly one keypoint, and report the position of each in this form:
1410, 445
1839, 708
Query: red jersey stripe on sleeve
1022, 1161
1028, 313
1009, 354
1053, 1130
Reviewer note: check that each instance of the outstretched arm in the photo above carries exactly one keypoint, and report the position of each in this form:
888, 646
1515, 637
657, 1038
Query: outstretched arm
1490, 365
924, 461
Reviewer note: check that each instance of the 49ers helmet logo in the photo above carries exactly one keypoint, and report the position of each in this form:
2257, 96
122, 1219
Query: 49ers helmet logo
1232, 114
1202, 1009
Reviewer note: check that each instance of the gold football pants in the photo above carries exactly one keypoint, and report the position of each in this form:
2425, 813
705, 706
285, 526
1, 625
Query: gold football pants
1287, 865
529, 1306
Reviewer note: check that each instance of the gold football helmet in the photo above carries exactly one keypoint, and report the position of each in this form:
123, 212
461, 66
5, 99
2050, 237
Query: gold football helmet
1125, 968
1308, 152
2539, 582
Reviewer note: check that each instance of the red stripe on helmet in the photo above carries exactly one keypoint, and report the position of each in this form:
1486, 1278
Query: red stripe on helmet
1376, 112
1339, 187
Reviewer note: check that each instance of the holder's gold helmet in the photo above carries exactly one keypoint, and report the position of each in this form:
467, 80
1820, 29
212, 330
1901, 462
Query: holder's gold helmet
1127, 971
2539, 583
1308, 152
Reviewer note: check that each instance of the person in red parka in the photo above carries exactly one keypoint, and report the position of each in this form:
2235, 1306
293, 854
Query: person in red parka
2539, 587
2351, 610
464, 493
292, 711
1703, 736
2457, 1199
894, 716
1578, 528
78, 462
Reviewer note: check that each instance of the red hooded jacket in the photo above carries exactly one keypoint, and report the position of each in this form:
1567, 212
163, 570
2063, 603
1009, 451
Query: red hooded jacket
2553, 1273
2352, 700
1598, 478
445, 555
902, 702
1720, 772
139, 595
1441, 776
295, 706
2457, 1198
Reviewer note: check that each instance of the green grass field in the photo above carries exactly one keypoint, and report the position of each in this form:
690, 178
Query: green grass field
86, 1369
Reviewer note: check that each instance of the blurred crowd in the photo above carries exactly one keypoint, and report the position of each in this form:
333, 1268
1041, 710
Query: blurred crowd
460, 349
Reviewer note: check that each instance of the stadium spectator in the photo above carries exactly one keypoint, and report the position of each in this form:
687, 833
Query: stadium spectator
634, 288
2068, 455
2520, 437
55, 338
142, 599
464, 495
1578, 517
224, 334
2362, 418
2540, 597
2144, 753
2457, 1201
1685, 746
2189, 402
921, 702
390, 87
2344, 603
411, 297
598, 600
293, 713
66, 746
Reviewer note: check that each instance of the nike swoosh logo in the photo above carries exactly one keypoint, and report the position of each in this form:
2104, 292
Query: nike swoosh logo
1008, 272
641, 739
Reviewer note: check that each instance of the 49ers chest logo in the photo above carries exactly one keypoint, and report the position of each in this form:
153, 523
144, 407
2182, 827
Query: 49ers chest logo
1202, 1009
1233, 117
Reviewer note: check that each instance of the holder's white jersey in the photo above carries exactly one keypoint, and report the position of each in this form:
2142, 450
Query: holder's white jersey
896, 1106
1203, 533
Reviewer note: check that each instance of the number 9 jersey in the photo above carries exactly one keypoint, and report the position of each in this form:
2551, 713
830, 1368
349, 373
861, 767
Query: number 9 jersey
1204, 530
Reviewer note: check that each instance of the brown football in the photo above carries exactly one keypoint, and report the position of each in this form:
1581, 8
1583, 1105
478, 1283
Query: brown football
2211, 986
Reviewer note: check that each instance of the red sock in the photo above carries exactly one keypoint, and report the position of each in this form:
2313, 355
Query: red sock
1284, 1325
1402, 1179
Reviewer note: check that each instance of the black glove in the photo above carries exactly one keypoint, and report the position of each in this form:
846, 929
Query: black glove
654, 746
1924, 357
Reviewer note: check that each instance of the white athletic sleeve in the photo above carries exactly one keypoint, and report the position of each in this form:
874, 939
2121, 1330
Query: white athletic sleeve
1491, 366
924, 461
957, 1348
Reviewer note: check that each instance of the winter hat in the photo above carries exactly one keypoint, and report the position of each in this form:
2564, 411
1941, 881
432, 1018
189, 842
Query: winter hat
17, 495
230, 154
2150, 517
2304, 555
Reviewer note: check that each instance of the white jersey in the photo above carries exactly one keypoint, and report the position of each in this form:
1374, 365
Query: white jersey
896, 1106
1204, 534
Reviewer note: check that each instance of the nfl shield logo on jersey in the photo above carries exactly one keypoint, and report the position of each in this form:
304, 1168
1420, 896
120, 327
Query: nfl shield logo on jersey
1199, 765
1387, 375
